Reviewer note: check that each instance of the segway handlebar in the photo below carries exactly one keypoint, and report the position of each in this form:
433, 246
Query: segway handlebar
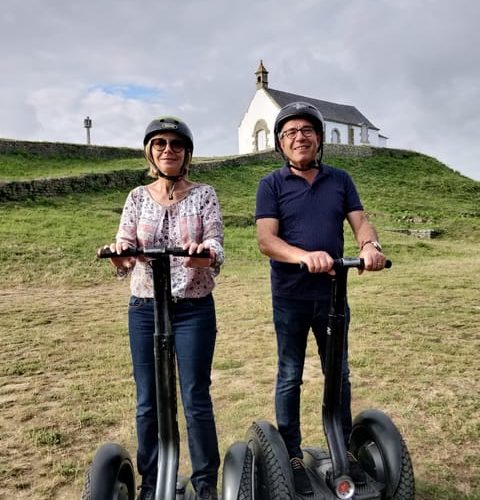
359, 263
151, 252
349, 262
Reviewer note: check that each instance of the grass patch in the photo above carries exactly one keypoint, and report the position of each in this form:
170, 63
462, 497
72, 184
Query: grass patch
45, 437
25, 167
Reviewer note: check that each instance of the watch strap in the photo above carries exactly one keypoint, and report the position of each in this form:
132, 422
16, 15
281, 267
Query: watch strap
376, 244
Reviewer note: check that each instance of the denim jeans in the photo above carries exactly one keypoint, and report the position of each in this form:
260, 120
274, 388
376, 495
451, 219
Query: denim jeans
293, 320
194, 328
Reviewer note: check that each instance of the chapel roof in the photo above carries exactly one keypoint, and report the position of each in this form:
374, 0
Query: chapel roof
331, 111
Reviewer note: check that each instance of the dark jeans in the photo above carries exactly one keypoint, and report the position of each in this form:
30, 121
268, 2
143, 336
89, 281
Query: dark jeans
194, 327
293, 320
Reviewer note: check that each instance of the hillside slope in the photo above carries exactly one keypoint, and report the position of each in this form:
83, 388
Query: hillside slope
401, 191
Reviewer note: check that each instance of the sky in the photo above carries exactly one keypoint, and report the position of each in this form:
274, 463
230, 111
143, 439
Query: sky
411, 66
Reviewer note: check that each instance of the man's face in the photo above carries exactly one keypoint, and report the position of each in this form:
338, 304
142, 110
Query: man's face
301, 148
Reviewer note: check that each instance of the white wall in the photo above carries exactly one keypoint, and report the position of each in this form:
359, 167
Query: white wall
373, 136
341, 127
261, 107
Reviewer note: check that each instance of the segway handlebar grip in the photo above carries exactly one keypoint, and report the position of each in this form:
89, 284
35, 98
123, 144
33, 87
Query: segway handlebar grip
359, 263
106, 253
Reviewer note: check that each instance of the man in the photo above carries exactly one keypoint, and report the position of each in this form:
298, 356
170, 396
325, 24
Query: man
300, 213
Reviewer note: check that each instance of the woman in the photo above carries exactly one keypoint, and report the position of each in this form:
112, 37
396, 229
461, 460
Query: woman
173, 211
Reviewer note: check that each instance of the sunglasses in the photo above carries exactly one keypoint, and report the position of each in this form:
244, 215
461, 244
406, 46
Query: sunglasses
176, 145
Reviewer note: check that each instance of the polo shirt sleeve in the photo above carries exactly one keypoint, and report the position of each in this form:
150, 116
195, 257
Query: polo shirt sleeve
267, 204
352, 198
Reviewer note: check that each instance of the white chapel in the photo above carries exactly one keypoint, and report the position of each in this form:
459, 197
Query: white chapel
343, 124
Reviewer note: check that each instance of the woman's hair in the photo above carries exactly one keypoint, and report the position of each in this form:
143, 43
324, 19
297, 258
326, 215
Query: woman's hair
153, 169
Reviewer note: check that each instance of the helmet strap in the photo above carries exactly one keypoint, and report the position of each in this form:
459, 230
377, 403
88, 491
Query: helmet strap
313, 164
173, 178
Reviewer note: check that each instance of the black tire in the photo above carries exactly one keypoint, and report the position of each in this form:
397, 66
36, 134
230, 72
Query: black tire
111, 475
273, 478
372, 445
406, 486
245, 491
237, 472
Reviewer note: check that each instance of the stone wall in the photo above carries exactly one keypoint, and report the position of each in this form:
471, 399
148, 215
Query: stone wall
59, 149
23, 190
121, 179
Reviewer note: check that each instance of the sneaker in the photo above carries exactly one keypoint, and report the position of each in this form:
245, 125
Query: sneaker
206, 493
146, 493
303, 486
356, 472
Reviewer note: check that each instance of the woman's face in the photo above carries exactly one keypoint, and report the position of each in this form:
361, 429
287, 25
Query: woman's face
168, 152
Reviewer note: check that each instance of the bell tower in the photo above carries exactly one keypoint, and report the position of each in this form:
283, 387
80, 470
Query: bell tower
261, 76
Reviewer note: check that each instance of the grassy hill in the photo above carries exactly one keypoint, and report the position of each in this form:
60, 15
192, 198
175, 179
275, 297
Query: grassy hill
407, 191
65, 376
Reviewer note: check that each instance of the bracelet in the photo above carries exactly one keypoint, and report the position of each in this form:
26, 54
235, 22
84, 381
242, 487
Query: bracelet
122, 273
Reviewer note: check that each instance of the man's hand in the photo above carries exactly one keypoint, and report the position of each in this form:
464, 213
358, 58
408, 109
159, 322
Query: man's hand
374, 259
318, 262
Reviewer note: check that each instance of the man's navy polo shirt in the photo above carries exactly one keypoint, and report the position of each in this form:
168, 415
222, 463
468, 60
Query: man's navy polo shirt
310, 217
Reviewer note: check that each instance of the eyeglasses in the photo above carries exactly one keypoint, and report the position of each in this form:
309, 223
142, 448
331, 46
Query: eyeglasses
291, 133
176, 145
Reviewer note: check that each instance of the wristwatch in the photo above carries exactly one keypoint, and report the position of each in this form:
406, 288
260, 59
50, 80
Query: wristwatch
376, 244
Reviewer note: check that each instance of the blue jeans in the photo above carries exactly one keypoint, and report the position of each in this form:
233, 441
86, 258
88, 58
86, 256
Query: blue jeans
194, 328
293, 320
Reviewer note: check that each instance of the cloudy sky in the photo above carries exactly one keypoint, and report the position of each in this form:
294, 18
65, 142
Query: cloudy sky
411, 66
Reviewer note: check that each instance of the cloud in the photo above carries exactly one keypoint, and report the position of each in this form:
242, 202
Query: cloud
411, 67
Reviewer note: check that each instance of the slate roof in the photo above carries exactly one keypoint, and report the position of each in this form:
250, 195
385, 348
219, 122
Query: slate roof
331, 111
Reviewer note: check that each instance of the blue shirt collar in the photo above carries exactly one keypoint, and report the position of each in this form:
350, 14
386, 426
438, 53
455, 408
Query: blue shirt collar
286, 172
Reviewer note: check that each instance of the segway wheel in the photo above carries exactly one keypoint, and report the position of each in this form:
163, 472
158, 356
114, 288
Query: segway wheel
379, 447
111, 475
273, 478
246, 487
406, 485
237, 473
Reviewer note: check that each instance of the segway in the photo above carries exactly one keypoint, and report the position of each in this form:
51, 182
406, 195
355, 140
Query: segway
375, 441
111, 475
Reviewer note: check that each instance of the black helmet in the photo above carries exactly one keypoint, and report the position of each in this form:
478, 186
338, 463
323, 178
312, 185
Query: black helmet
298, 110
169, 124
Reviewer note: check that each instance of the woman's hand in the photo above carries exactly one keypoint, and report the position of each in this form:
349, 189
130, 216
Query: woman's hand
195, 248
123, 263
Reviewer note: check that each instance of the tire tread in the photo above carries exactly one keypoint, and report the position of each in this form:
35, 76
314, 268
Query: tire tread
277, 487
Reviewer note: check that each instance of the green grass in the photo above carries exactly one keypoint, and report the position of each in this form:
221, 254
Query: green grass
55, 239
23, 167
415, 191
65, 376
